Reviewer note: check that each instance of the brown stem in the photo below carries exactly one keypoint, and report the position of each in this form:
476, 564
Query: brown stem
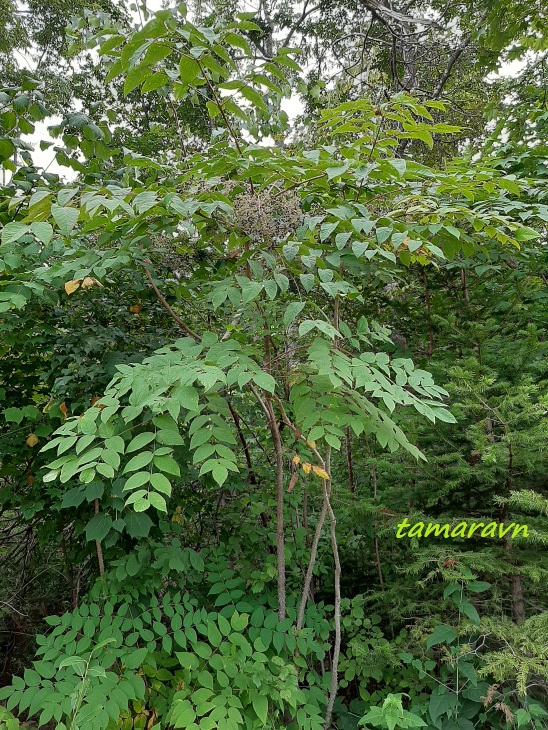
168, 308
349, 461
266, 363
236, 419
336, 306
375, 141
464, 285
259, 444
298, 184
307, 586
305, 516
98, 547
454, 57
310, 569
326, 465
518, 602
280, 537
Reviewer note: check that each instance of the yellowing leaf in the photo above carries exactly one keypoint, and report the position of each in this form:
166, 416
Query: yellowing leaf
292, 482
319, 472
89, 281
72, 285
296, 459
63, 408
312, 444
306, 467
31, 440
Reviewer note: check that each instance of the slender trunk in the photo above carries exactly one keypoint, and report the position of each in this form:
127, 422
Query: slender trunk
310, 569
314, 549
280, 538
518, 603
464, 284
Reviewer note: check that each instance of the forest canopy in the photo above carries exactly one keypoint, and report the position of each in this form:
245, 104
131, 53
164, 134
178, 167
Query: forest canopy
273, 313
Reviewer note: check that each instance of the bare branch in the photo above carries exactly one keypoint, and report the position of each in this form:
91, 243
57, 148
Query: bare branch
453, 58
383, 11
302, 18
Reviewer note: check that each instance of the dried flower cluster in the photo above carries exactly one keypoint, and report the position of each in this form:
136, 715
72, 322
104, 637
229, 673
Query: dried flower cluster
492, 692
268, 216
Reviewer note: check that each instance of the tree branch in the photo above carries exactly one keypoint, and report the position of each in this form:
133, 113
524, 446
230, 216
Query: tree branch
454, 57
166, 306
303, 17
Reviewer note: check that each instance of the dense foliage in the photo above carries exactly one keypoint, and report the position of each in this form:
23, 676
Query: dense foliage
238, 351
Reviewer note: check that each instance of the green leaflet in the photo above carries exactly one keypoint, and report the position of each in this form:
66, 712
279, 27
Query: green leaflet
65, 218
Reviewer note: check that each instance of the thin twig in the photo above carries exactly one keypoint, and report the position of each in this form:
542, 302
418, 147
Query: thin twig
166, 306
